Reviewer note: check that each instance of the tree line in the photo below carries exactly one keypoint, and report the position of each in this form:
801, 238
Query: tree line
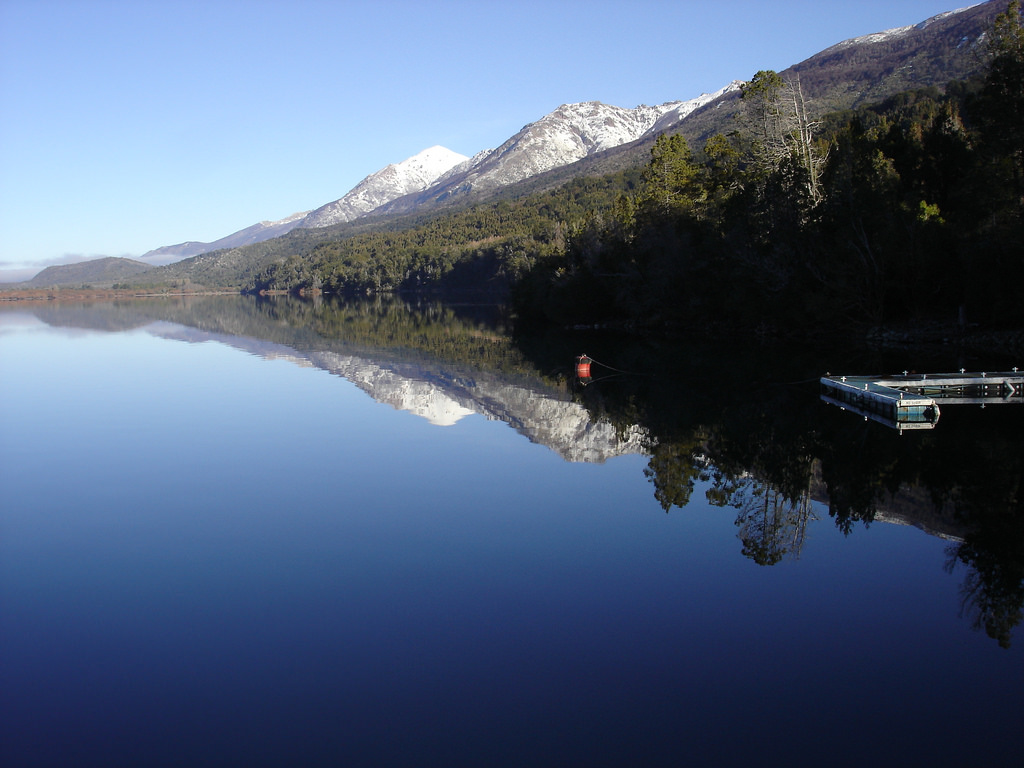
484, 248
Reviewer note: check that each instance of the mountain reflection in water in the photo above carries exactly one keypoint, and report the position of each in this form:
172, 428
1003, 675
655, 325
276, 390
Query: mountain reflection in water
744, 422
216, 557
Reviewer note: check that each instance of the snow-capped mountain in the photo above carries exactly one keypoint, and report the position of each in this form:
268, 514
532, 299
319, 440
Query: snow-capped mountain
563, 136
396, 180
411, 175
570, 133
935, 51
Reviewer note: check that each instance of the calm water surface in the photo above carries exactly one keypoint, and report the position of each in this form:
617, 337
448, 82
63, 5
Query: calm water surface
227, 546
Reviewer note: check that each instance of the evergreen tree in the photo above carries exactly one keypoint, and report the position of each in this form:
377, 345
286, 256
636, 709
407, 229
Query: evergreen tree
670, 178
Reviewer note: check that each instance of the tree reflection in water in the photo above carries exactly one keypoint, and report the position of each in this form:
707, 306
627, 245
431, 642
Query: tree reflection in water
764, 448
768, 451
771, 526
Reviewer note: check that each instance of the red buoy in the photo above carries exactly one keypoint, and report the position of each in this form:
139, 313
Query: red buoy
583, 366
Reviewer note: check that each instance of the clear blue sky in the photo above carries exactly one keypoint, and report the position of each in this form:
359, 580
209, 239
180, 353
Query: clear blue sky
126, 125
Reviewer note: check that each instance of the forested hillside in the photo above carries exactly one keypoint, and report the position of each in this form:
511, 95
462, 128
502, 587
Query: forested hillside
99, 271
482, 248
906, 210
909, 209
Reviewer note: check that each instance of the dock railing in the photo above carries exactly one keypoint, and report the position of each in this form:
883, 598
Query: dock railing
911, 400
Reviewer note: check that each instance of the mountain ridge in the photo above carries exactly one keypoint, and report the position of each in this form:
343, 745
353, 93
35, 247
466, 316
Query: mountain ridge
933, 52
847, 74
395, 180
264, 230
570, 133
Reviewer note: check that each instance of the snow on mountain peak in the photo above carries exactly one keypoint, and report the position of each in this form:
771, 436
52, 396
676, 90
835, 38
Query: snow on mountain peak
414, 174
569, 133
565, 135
874, 37
890, 34
683, 108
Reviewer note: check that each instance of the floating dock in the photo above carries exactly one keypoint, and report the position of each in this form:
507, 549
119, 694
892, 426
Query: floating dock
911, 400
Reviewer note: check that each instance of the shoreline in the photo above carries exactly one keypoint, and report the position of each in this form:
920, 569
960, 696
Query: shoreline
34, 295
1008, 341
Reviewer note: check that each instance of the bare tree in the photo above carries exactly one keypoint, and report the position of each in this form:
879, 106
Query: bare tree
801, 139
782, 129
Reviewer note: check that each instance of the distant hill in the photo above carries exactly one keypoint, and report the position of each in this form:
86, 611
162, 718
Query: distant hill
264, 230
98, 273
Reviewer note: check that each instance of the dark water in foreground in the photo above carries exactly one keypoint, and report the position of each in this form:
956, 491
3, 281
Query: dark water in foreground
280, 533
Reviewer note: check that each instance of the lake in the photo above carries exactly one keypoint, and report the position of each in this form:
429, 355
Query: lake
276, 532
